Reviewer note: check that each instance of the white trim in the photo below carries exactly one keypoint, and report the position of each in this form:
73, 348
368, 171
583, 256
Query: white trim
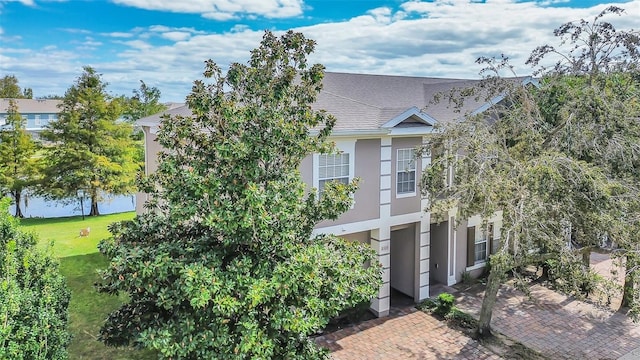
371, 224
477, 266
452, 246
375, 133
412, 111
146, 152
410, 131
344, 146
496, 99
415, 173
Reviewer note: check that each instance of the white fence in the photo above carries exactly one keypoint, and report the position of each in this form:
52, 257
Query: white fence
32, 206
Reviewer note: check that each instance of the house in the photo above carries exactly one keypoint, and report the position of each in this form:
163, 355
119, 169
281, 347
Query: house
37, 113
380, 121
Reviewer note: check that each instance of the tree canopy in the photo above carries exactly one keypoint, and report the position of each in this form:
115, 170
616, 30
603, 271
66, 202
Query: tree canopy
19, 168
10, 89
90, 150
34, 297
224, 264
558, 160
144, 102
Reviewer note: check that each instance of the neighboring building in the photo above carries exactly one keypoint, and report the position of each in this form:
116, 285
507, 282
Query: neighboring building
380, 122
36, 113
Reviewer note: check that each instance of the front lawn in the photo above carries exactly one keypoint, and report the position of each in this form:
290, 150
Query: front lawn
88, 310
65, 232
79, 261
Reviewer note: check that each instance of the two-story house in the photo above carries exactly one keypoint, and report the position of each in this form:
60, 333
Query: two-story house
380, 122
37, 113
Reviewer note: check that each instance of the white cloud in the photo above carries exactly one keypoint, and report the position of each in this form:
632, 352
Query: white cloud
222, 9
442, 38
117, 34
176, 35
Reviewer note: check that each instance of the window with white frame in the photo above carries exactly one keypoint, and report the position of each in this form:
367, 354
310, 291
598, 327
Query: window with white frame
479, 244
480, 248
338, 166
406, 172
51, 117
37, 120
332, 167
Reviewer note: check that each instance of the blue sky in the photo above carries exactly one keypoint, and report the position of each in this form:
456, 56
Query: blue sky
45, 43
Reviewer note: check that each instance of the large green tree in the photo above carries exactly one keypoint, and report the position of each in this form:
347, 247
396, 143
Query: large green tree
34, 298
144, 102
595, 87
557, 160
224, 264
18, 165
90, 151
10, 89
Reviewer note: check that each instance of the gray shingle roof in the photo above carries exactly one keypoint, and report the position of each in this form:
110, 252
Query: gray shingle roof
362, 102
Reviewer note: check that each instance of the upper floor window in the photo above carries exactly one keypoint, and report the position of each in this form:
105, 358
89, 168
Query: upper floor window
332, 167
51, 117
338, 166
37, 120
406, 172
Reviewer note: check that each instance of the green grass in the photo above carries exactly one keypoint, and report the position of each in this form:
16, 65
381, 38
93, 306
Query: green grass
64, 232
88, 310
79, 261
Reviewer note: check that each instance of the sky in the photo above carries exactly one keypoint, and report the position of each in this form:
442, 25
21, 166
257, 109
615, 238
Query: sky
46, 43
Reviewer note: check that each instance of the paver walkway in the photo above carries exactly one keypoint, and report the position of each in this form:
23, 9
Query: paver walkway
550, 323
410, 335
557, 326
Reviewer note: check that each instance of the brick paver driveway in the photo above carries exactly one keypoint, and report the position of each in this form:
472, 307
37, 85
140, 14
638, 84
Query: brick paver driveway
550, 323
410, 335
559, 327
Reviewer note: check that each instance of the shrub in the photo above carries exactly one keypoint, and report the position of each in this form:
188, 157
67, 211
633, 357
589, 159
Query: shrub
34, 298
427, 305
445, 304
461, 319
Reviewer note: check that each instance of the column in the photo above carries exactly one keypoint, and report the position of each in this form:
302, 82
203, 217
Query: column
381, 243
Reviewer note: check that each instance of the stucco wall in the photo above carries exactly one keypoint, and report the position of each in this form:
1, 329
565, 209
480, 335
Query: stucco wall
367, 198
403, 260
152, 148
461, 250
404, 205
363, 237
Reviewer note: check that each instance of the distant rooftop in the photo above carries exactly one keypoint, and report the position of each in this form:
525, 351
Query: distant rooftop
32, 106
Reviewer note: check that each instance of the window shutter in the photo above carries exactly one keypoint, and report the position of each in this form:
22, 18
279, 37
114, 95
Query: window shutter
471, 246
490, 238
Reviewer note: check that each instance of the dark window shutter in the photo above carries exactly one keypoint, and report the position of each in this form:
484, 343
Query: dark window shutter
490, 238
471, 246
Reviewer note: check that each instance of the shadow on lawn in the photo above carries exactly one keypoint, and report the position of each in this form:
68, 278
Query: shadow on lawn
88, 310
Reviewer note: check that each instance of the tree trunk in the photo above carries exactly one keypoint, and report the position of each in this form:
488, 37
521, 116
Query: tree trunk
17, 196
586, 257
94, 205
490, 296
627, 289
